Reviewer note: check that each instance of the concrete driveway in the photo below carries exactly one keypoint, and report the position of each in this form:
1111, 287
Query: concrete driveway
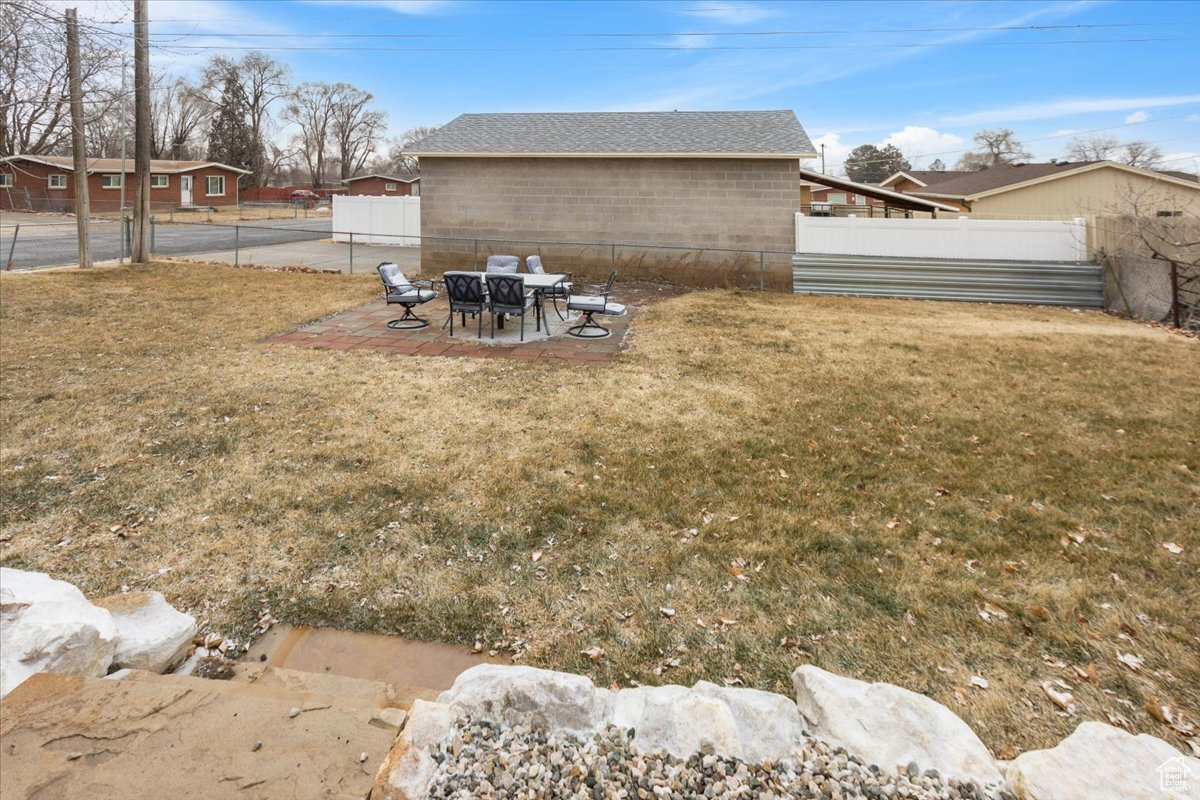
51, 241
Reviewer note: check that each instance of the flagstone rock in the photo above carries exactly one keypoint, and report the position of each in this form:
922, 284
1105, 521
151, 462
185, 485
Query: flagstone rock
49, 626
891, 726
1100, 762
151, 635
408, 767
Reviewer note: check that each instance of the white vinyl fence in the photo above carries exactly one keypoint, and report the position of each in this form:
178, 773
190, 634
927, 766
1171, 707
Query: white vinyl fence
377, 220
962, 238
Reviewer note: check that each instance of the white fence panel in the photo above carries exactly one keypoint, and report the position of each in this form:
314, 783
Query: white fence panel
962, 238
377, 220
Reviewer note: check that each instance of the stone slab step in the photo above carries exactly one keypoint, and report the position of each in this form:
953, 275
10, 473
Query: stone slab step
65, 736
387, 659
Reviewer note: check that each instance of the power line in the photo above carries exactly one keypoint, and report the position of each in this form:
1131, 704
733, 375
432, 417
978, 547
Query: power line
660, 48
637, 34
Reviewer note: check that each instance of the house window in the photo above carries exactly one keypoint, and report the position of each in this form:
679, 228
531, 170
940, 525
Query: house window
214, 185
415, 190
389, 187
56, 181
1170, 213
160, 181
111, 181
6, 180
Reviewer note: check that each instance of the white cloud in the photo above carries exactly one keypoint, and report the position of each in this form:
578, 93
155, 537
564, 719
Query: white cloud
730, 13
408, 7
1065, 132
835, 153
1062, 108
919, 143
1137, 116
1192, 118
1187, 161
689, 41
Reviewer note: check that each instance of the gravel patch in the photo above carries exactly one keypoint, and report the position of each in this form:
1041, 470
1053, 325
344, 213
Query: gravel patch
483, 759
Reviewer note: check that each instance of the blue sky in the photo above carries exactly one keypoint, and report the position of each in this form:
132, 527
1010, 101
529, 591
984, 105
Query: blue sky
922, 75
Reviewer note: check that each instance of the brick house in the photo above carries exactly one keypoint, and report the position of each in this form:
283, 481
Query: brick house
384, 185
691, 179
47, 183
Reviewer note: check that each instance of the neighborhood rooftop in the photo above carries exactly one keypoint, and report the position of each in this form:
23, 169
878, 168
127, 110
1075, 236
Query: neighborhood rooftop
967, 184
114, 164
734, 134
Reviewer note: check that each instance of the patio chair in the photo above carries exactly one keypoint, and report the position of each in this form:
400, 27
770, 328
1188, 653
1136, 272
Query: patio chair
560, 290
593, 300
467, 296
503, 265
506, 295
399, 290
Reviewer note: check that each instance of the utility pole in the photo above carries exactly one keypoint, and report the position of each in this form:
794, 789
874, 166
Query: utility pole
822, 158
140, 251
124, 172
82, 208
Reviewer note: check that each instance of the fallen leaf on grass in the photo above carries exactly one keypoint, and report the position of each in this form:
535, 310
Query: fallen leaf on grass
991, 610
978, 682
1171, 547
1130, 660
594, 653
1015, 566
892, 524
667, 612
536, 557
1063, 700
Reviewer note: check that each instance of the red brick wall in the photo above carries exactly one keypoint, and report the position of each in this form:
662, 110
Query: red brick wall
378, 186
32, 176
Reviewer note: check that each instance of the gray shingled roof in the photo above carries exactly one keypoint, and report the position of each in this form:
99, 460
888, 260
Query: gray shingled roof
731, 133
966, 184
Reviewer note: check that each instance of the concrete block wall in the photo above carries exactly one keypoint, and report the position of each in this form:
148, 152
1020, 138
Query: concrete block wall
681, 205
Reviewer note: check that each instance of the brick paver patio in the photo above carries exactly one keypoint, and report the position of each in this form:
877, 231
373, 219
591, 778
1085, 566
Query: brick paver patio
365, 328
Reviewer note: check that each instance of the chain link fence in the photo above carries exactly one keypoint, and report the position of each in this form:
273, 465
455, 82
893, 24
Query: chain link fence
312, 244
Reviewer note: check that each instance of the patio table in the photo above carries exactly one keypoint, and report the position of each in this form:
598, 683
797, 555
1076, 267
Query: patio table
538, 282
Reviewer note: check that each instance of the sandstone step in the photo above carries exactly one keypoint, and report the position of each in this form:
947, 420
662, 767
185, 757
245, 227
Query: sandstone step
388, 659
173, 736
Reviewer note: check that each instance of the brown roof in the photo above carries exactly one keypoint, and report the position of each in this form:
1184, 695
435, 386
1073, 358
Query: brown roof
967, 184
410, 178
114, 164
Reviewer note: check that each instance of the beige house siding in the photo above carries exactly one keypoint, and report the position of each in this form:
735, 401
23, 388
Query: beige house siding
510, 204
1097, 192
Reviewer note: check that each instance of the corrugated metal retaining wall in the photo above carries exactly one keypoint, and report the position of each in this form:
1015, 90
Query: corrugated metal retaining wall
1034, 282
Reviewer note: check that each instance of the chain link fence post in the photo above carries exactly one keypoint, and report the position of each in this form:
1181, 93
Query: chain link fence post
762, 271
475, 254
8, 262
153, 225
237, 242
352, 252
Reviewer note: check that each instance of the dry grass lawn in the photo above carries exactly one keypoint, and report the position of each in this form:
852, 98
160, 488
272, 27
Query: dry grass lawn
837, 481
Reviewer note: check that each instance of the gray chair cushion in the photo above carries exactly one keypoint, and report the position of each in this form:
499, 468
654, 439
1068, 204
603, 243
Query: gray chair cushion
391, 275
414, 295
533, 265
503, 264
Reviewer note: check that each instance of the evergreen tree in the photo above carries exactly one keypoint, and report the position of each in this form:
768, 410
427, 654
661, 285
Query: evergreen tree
231, 139
870, 164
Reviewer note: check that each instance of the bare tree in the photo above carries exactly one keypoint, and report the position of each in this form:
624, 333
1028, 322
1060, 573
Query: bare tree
1142, 154
397, 159
1097, 148
356, 127
1135, 153
34, 116
178, 110
311, 108
996, 147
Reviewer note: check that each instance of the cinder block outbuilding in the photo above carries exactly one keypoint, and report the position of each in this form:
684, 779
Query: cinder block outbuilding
609, 182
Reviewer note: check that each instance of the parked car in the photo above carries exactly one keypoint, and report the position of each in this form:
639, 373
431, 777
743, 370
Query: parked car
304, 197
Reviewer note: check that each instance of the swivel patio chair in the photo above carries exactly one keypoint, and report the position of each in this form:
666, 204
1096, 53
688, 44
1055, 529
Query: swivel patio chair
400, 291
504, 265
467, 296
507, 295
593, 300
559, 291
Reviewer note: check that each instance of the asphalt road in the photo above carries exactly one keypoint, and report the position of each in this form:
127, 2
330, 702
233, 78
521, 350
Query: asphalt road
49, 245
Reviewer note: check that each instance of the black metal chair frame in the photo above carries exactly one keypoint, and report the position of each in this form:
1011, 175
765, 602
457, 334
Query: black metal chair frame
561, 289
466, 294
589, 323
506, 295
393, 293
